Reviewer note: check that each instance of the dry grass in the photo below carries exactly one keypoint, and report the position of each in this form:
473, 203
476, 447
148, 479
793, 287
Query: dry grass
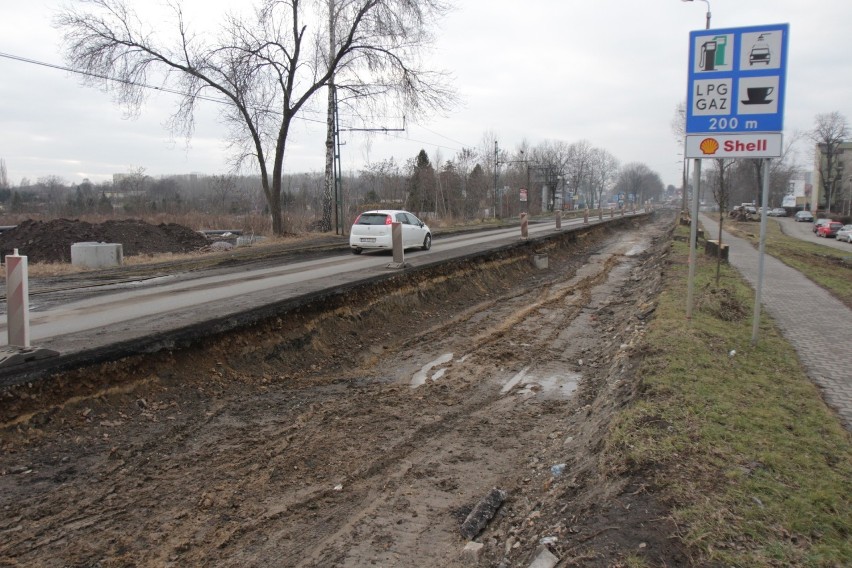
758, 470
53, 269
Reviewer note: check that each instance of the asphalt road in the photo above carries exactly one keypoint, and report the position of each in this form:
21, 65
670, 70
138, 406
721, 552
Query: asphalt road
804, 231
149, 315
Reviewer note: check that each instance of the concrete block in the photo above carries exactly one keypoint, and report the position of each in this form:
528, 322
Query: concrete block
97, 255
540, 261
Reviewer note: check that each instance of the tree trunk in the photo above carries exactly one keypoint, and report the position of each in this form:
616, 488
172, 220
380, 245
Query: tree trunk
274, 198
719, 251
328, 193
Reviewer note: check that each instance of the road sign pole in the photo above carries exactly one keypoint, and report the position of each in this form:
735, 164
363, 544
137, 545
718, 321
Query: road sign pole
764, 200
693, 237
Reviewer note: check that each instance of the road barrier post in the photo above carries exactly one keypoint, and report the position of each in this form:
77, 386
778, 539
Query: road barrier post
586, 216
524, 226
396, 241
558, 219
17, 300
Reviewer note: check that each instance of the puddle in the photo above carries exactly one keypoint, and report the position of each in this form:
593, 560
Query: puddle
422, 375
558, 385
637, 249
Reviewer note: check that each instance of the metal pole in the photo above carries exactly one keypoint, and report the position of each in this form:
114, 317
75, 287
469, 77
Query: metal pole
495, 179
760, 255
338, 207
693, 238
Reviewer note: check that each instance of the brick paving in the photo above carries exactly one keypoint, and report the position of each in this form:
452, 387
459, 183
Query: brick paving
811, 319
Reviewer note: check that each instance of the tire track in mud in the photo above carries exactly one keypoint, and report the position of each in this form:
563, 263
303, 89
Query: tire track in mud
524, 310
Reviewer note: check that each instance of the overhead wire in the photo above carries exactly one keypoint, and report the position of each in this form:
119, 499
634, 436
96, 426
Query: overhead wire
209, 98
134, 84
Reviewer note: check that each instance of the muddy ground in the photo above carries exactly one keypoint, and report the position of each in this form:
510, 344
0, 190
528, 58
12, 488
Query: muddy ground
358, 434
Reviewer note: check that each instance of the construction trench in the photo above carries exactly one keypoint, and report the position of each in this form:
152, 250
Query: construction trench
359, 429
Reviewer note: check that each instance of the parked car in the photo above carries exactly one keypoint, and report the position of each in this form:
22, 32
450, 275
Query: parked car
372, 230
803, 216
844, 234
818, 223
829, 229
777, 212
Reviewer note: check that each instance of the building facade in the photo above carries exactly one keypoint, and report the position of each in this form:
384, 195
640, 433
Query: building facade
832, 187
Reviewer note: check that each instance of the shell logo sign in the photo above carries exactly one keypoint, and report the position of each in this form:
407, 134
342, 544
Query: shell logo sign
709, 146
763, 145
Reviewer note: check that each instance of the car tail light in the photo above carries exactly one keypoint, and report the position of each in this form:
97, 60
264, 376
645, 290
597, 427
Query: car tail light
388, 220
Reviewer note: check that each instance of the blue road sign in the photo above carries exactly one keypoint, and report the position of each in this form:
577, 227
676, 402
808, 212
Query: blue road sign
737, 80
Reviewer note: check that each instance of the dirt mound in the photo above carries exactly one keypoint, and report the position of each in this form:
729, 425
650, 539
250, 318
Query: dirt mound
50, 241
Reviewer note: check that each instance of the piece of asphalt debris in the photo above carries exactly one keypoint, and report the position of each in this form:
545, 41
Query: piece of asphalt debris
482, 513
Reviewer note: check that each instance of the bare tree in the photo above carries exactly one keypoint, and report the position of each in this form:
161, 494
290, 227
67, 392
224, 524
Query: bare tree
54, 190
639, 180
265, 67
678, 126
603, 169
576, 169
829, 133
722, 195
4, 176
223, 188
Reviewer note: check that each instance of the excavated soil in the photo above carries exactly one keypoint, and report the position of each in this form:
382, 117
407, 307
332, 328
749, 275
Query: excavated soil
50, 241
360, 433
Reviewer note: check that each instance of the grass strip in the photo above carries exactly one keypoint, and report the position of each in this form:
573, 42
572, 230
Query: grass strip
756, 470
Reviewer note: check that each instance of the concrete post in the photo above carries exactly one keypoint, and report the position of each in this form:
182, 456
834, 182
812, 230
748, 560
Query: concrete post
17, 300
611, 212
558, 219
600, 212
396, 240
524, 226
586, 216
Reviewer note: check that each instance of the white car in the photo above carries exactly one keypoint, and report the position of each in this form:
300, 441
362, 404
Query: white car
844, 234
372, 230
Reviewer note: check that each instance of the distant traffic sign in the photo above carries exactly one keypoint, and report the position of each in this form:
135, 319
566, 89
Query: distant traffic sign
737, 80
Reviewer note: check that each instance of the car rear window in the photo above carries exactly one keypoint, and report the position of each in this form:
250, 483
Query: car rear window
372, 219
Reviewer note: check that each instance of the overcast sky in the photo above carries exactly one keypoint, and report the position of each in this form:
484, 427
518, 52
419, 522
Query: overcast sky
607, 71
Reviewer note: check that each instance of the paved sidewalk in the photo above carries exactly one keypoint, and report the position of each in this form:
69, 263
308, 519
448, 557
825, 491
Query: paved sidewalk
812, 320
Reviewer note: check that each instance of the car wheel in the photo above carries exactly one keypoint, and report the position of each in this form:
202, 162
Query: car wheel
357, 251
427, 242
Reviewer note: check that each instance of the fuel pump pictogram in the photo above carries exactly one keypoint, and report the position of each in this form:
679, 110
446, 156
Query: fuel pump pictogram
713, 53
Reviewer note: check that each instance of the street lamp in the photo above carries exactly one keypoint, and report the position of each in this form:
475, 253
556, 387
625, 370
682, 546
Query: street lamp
708, 10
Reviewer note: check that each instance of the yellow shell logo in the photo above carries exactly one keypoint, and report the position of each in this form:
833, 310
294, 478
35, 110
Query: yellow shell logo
709, 145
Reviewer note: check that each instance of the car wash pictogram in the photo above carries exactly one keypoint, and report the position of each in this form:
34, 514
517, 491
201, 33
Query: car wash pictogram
760, 51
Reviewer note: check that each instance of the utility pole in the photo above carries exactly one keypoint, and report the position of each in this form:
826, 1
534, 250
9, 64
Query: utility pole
496, 163
524, 161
